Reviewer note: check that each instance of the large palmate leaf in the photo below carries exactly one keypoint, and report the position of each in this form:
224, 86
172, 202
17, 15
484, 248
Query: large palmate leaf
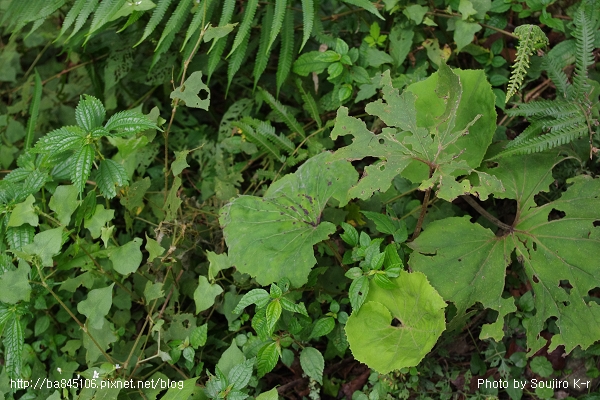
272, 237
420, 311
436, 130
560, 255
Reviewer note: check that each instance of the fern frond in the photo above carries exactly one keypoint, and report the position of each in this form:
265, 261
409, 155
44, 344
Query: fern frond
133, 18
14, 12
310, 104
283, 113
556, 108
308, 17
545, 142
286, 52
103, 14
218, 46
584, 58
260, 64
236, 62
244, 29
280, 10
531, 38
281, 141
557, 75
560, 124
157, 16
201, 15
534, 129
35, 10
258, 139
88, 7
175, 21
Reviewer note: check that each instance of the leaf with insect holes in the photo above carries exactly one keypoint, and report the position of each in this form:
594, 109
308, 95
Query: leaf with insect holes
418, 308
557, 243
436, 130
283, 226
190, 90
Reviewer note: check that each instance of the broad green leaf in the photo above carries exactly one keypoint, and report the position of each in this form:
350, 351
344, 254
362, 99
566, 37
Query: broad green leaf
463, 33
350, 235
126, 259
98, 220
14, 285
312, 363
190, 90
205, 294
24, 213
230, 358
309, 62
417, 307
415, 12
177, 393
267, 358
81, 166
180, 162
110, 175
430, 123
45, 245
283, 226
103, 338
154, 248
270, 395
64, 203
96, 306
90, 113
291, 306
174, 202
551, 249
153, 291
217, 262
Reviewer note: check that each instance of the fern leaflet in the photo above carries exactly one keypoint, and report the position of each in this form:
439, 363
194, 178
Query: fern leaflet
103, 14
157, 16
310, 104
73, 13
531, 38
545, 142
556, 108
198, 20
258, 139
557, 75
535, 128
175, 21
236, 62
280, 10
244, 30
286, 52
584, 58
283, 113
308, 16
218, 45
260, 64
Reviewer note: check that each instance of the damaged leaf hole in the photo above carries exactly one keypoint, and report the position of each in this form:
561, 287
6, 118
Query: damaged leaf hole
397, 323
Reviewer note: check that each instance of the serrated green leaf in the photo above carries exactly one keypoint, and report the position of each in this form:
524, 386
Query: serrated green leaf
126, 259
240, 375
13, 340
190, 90
359, 289
19, 236
60, 140
273, 312
279, 14
24, 213
90, 113
283, 226
81, 166
350, 235
14, 285
267, 358
110, 175
81, 10
290, 306
199, 336
322, 327
205, 293
420, 311
312, 363
96, 306
64, 203
128, 122
260, 297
